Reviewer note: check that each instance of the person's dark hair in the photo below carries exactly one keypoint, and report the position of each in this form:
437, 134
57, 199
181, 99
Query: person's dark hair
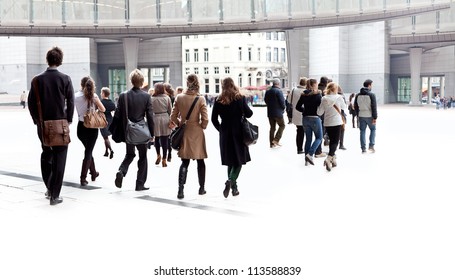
303, 81
192, 83
89, 89
310, 83
230, 92
159, 89
84, 81
324, 80
54, 57
168, 89
367, 83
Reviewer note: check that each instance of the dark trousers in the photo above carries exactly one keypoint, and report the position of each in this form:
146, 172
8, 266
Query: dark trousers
53, 162
162, 142
273, 122
334, 137
141, 164
299, 138
88, 138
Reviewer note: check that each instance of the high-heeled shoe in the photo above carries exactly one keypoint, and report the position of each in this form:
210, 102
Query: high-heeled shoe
112, 154
106, 153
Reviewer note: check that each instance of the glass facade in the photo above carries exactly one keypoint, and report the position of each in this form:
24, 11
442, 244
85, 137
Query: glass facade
183, 12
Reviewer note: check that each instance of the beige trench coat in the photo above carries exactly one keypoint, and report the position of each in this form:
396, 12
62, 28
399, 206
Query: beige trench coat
193, 144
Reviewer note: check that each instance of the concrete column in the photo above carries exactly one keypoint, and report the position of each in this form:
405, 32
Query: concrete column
297, 55
131, 53
416, 64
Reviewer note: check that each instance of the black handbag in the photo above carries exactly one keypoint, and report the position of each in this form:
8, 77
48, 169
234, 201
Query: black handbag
177, 134
249, 130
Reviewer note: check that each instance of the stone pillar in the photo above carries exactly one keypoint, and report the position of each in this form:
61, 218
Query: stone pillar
416, 84
297, 55
131, 53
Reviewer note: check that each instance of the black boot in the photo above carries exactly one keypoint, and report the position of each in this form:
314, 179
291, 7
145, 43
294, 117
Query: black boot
93, 171
201, 177
183, 171
227, 188
84, 170
235, 190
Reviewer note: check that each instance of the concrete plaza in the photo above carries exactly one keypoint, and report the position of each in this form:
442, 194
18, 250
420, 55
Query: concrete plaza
387, 215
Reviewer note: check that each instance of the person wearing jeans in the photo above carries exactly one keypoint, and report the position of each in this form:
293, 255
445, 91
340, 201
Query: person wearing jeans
367, 113
371, 124
308, 105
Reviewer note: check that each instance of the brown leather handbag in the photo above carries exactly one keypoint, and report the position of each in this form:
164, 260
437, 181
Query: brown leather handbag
53, 132
94, 118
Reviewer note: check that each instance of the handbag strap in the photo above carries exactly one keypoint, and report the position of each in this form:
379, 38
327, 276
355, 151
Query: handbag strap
38, 102
191, 108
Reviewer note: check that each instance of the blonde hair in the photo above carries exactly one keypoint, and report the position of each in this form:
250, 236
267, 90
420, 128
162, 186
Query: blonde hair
137, 78
332, 87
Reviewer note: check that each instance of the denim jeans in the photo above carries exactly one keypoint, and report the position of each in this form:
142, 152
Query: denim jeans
312, 125
363, 123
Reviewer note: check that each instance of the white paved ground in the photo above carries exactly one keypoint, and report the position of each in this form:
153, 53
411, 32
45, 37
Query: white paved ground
388, 215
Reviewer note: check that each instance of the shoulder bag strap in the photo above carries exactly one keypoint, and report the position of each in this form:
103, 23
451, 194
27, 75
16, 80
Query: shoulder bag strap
191, 108
38, 103
126, 104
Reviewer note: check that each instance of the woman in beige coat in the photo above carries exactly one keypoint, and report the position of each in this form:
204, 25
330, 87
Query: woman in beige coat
193, 143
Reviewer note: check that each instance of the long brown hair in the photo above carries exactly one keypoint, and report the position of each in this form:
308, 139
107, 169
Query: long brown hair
192, 83
229, 93
89, 89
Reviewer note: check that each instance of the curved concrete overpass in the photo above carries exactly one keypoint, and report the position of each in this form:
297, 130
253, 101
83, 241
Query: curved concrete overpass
123, 28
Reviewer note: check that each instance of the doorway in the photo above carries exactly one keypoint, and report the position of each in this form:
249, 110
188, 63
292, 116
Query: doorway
432, 89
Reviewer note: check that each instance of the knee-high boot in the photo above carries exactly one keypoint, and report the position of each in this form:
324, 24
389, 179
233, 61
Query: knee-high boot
93, 171
183, 171
84, 170
201, 177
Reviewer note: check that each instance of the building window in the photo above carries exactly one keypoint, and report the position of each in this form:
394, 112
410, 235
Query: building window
240, 80
206, 70
206, 54
196, 70
227, 70
269, 54
196, 55
187, 55
250, 55
275, 36
217, 86
275, 54
187, 70
283, 55
216, 70
268, 36
282, 36
259, 54
207, 85
249, 79
240, 53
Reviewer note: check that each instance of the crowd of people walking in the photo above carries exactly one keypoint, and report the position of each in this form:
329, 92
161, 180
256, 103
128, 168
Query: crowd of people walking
318, 110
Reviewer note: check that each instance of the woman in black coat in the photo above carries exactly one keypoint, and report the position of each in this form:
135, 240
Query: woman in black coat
230, 106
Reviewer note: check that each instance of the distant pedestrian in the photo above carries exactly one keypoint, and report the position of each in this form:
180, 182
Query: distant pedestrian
296, 118
109, 105
274, 99
367, 112
23, 98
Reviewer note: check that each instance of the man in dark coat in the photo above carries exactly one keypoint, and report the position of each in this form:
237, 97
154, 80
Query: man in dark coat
274, 99
56, 96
